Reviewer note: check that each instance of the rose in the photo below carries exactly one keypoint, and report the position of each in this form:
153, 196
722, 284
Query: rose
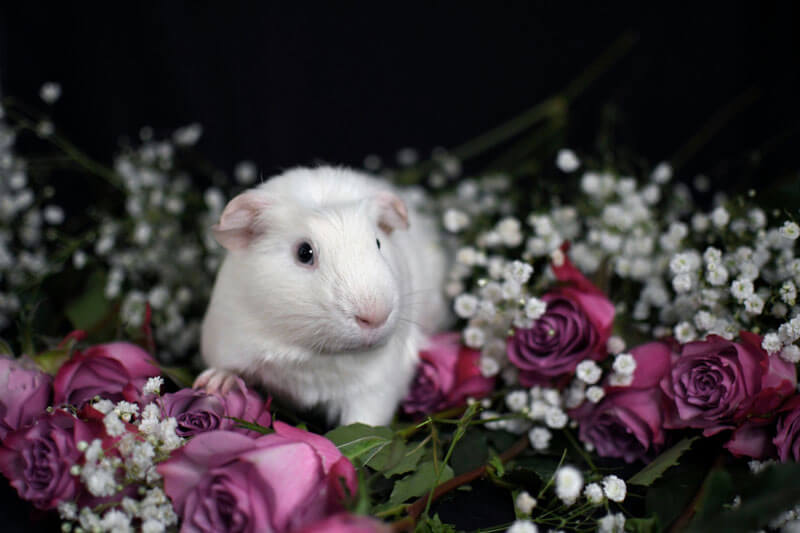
753, 439
197, 411
627, 422
37, 460
346, 523
787, 433
221, 480
575, 326
714, 384
24, 394
447, 375
115, 371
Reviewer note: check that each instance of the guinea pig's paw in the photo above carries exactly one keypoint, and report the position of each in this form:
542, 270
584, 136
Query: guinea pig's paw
215, 380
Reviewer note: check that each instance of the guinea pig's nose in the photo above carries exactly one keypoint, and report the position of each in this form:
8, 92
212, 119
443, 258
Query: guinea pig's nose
372, 319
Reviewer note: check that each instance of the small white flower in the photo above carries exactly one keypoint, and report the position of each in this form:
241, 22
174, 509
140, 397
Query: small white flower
68, 510
511, 289
791, 353
611, 523
519, 272
569, 483
615, 344
540, 438
720, 217
169, 438
754, 304
188, 135
614, 488
624, 364
153, 385
53, 215
588, 371
684, 332
594, 393
524, 502
682, 283
535, 308
79, 259
489, 367
662, 173
474, 337
555, 418
741, 289
790, 230
788, 292
117, 521
594, 493
772, 343
104, 406
246, 172
716, 274
620, 380
465, 305
455, 220
567, 161
152, 525
509, 231
50, 92
700, 222
517, 400
523, 526
114, 426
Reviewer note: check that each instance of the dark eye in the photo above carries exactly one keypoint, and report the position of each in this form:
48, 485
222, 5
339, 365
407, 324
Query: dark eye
305, 253
378, 242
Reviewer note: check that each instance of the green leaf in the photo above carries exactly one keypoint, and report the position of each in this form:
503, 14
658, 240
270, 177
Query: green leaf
360, 441
252, 426
717, 492
409, 460
641, 525
470, 452
433, 525
181, 376
670, 494
497, 465
51, 360
5, 348
647, 475
419, 482
88, 309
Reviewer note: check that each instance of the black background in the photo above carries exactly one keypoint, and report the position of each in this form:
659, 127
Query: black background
296, 83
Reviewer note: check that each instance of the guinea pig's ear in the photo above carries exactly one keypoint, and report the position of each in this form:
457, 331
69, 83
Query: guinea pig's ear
239, 223
392, 212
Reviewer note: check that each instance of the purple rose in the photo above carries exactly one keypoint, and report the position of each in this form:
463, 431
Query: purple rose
197, 411
225, 481
714, 384
447, 375
346, 523
787, 434
24, 394
37, 460
627, 422
115, 371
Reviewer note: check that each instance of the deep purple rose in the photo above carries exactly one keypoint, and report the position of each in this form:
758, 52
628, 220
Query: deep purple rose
225, 481
37, 459
115, 371
627, 422
714, 384
24, 394
447, 375
787, 434
197, 411
575, 326
346, 523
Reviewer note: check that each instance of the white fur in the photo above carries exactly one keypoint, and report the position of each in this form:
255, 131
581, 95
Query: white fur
292, 327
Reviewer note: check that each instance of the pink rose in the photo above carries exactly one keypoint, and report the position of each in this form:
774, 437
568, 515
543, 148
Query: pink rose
447, 375
753, 439
346, 523
115, 371
37, 460
714, 384
226, 481
24, 394
627, 422
197, 411
575, 326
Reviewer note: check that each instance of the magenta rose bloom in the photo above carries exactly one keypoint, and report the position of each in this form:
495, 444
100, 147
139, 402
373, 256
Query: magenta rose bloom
346, 523
447, 375
753, 439
627, 422
37, 460
226, 481
575, 326
115, 371
197, 411
714, 384
787, 432
24, 394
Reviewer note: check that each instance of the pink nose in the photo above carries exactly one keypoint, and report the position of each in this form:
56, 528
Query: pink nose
372, 320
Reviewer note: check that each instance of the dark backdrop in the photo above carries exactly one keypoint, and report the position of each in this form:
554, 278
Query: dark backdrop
294, 83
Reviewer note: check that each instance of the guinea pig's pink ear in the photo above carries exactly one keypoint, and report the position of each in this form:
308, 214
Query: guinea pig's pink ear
239, 222
392, 212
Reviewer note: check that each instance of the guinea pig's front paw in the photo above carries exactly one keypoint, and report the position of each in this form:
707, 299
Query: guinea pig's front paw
215, 380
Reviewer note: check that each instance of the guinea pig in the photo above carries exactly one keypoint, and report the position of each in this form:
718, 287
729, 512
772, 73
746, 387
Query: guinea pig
329, 289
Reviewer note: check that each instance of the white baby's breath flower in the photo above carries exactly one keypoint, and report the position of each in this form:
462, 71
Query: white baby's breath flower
188, 135
741, 289
614, 488
465, 305
117, 521
569, 483
555, 418
754, 304
126, 410
790, 230
588, 371
791, 353
620, 380
523, 526
169, 438
50, 92
519, 272
153, 385
535, 308
567, 161
525, 503
720, 217
246, 172
152, 525
474, 337
611, 523
788, 292
684, 332
615, 344
488, 366
594, 493
517, 400
455, 220
682, 283
624, 364
771, 343
540, 438
67, 510
662, 173
594, 393
104, 406
114, 426
509, 231
716, 274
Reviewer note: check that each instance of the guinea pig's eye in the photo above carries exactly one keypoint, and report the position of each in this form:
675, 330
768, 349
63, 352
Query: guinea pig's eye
305, 253
378, 242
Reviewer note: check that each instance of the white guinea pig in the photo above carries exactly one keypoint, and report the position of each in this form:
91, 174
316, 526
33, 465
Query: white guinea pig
328, 291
